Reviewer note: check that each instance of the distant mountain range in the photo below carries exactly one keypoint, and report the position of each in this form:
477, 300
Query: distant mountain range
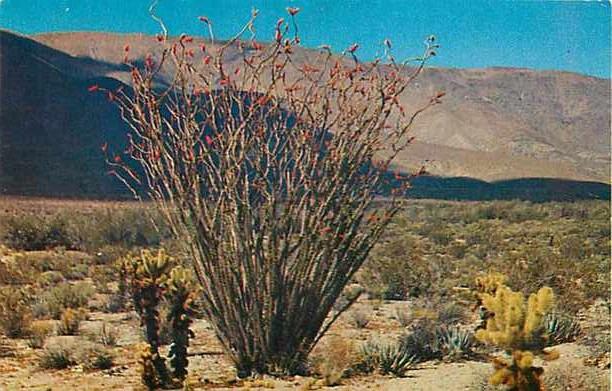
500, 132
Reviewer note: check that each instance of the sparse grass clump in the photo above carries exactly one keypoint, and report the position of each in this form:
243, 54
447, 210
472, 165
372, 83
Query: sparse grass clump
107, 335
39, 331
57, 357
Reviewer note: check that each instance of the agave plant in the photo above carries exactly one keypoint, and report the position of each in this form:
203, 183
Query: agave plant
455, 342
387, 358
422, 341
561, 328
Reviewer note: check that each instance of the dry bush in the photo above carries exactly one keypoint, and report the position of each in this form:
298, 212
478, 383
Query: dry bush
39, 331
334, 359
96, 358
69, 322
15, 312
403, 316
267, 171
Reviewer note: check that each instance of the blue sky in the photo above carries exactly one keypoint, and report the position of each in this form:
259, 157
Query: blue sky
565, 35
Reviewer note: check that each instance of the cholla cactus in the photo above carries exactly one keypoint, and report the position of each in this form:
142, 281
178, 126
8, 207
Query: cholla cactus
518, 328
180, 293
148, 373
489, 283
149, 274
150, 279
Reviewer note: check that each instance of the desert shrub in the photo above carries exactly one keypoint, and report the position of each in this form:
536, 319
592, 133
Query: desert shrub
403, 316
39, 331
15, 312
15, 268
107, 231
58, 356
334, 360
66, 295
69, 322
421, 342
77, 272
360, 318
397, 269
530, 243
49, 278
97, 358
107, 335
451, 313
116, 303
29, 232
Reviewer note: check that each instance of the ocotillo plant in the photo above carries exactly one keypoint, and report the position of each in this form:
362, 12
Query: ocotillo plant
517, 328
266, 166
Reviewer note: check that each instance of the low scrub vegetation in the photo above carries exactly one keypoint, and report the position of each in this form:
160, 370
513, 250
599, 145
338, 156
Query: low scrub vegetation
435, 257
436, 249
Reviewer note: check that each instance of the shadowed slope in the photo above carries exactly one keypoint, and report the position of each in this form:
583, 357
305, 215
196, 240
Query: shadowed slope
495, 124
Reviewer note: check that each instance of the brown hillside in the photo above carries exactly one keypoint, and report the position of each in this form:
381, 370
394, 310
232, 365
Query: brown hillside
495, 124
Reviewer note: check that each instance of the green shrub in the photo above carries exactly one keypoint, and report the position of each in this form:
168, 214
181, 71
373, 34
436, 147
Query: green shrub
421, 342
64, 296
455, 342
49, 278
28, 232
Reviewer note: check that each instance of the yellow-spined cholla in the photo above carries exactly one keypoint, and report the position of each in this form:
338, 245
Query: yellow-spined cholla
517, 327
